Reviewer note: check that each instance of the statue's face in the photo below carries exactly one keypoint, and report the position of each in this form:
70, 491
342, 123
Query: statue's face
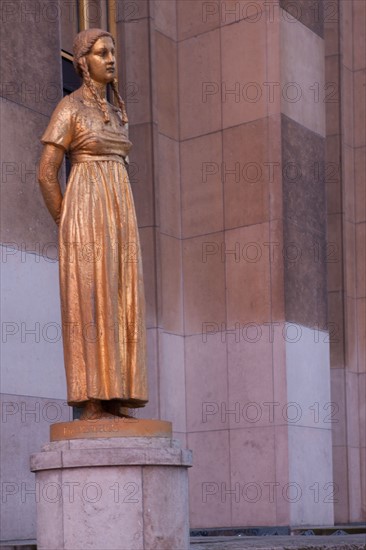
101, 60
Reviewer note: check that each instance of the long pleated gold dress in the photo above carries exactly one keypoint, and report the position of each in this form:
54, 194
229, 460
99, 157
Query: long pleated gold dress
101, 281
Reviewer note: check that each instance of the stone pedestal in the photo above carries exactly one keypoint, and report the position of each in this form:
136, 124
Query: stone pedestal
116, 493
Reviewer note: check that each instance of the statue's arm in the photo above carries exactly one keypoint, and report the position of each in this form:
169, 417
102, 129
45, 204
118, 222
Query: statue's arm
49, 166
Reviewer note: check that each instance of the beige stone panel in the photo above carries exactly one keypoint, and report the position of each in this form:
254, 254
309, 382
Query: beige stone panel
252, 462
363, 476
350, 332
337, 330
250, 375
246, 174
25, 423
31, 351
279, 366
31, 61
244, 96
232, 11
353, 410
300, 101
138, 9
195, 17
354, 487
361, 333
209, 479
136, 81
362, 406
335, 268
276, 254
141, 173
248, 275
331, 27
348, 183
69, 24
21, 130
171, 284
360, 107
333, 174
272, 16
332, 100
361, 259
151, 410
169, 187
350, 269
206, 380
312, 468
359, 38
167, 85
147, 240
348, 120
346, 31
199, 85
338, 398
360, 184
202, 188
308, 379
172, 389
281, 441
165, 17
341, 497
203, 282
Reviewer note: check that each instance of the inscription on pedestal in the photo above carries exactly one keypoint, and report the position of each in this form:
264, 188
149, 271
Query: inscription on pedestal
118, 427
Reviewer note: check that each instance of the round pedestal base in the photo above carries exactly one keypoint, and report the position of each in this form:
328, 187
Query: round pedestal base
112, 494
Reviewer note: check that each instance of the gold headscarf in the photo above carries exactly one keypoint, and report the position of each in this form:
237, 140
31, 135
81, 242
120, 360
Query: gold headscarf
84, 42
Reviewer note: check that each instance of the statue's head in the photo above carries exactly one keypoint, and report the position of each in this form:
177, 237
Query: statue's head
83, 43
83, 48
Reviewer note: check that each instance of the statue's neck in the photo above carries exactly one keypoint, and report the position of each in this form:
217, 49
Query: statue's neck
100, 89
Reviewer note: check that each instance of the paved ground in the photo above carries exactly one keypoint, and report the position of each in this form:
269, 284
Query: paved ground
345, 542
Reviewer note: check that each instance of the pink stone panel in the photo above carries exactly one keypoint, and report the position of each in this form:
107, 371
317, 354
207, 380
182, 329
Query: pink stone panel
209, 478
148, 260
248, 275
202, 186
341, 506
172, 380
167, 95
206, 380
196, 17
252, 459
204, 282
171, 281
338, 398
244, 96
136, 73
199, 84
141, 173
165, 17
246, 174
251, 376
169, 187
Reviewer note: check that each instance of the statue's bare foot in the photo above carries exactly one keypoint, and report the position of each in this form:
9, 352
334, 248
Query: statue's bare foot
93, 410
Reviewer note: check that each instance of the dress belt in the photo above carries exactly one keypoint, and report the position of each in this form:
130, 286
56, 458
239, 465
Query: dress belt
84, 157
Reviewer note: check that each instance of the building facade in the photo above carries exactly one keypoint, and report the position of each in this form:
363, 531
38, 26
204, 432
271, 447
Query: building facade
248, 174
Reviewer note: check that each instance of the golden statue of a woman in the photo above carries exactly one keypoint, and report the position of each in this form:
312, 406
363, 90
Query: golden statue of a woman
101, 283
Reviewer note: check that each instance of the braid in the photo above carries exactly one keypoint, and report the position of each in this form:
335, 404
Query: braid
102, 103
121, 103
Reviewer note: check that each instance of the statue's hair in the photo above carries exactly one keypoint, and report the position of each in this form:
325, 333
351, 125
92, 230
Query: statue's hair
83, 43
